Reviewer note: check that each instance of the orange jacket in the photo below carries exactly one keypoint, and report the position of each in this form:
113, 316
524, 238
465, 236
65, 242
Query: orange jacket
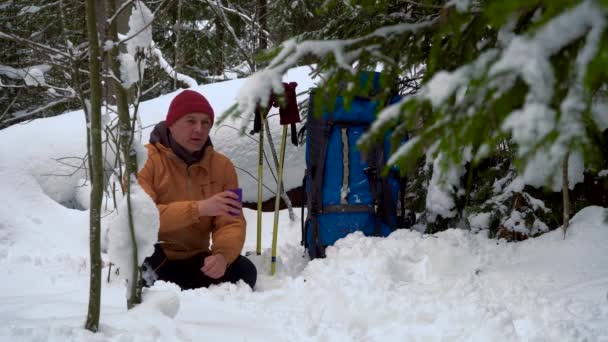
176, 188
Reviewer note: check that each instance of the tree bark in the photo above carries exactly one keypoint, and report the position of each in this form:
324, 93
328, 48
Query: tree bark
565, 194
125, 141
220, 61
95, 168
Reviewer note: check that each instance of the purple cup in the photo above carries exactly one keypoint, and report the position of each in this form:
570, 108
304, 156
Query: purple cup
239, 192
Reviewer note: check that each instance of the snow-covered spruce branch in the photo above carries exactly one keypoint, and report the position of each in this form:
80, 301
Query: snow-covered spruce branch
587, 22
543, 134
260, 85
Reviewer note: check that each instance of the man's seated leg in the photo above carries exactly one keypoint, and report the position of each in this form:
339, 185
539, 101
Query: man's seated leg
241, 269
187, 273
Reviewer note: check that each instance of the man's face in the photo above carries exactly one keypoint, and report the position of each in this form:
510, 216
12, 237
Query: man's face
191, 131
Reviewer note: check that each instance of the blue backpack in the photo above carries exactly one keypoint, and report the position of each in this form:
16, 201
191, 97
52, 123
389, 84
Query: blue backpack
345, 191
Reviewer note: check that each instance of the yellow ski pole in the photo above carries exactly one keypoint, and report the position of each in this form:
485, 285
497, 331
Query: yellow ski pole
258, 248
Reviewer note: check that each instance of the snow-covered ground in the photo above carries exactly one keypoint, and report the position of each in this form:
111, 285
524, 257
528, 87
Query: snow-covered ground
451, 286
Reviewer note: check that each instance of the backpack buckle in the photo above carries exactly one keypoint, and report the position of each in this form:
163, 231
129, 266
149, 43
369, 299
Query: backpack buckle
327, 129
371, 172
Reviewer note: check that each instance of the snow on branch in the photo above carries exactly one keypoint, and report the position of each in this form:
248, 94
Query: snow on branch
587, 20
528, 57
170, 71
140, 26
259, 86
543, 132
139, 38
139, 41
32, 76
444, 187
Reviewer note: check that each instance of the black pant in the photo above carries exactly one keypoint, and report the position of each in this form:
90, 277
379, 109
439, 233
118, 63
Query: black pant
187, 273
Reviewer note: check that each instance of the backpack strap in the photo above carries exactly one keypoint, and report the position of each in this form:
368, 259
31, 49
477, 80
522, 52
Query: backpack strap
304, 203
345, 166
319, 131
388, 204
405, 218
380, 189
372, 174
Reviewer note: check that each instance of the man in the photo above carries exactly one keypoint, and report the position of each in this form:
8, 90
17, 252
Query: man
189, 182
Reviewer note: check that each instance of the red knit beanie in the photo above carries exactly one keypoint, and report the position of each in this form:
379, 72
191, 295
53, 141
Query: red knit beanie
186, 102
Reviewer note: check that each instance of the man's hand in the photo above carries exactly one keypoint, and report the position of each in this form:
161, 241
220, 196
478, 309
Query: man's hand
223, 203
215, 266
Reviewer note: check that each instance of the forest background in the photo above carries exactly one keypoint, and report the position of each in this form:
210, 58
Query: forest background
504, 102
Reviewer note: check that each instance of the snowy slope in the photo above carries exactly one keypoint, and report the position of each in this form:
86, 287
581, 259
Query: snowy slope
451, 286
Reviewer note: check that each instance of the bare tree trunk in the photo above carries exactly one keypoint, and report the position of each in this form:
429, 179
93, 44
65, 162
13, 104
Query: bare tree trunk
283, 194
177, 27
219, 27
565, 194
95, 168
218, 8
125, 139
263, 23
262, 13
103, 13
100, 16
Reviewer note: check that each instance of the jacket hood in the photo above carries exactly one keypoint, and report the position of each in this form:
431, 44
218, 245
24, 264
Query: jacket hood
161, 134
